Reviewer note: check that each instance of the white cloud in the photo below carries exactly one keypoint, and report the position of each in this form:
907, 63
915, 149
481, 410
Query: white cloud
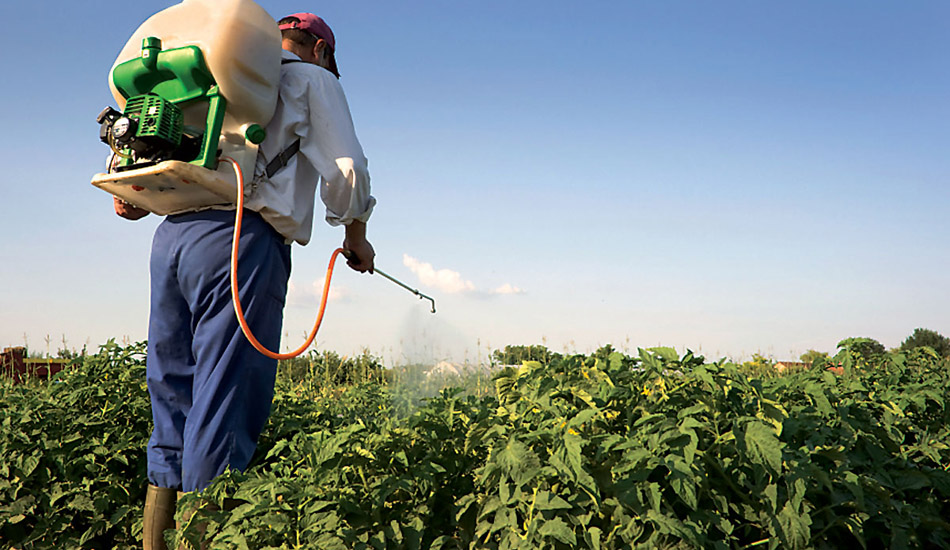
507, 289
446, 280
450, 282
337, 293
310, 295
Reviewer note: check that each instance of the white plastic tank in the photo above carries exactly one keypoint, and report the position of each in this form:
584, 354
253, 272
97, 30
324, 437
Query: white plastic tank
241, 46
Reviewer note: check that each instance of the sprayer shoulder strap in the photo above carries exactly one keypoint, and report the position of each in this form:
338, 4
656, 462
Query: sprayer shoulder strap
284, 157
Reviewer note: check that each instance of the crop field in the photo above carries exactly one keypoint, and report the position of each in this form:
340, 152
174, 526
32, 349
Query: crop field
600, 451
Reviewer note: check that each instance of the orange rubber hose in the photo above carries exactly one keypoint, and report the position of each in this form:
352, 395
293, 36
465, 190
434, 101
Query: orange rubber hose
238, 310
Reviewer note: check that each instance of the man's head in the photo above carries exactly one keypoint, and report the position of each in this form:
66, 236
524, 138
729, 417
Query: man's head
310, 37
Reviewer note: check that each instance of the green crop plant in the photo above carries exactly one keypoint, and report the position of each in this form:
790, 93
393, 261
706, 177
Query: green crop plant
605, 451
72, 454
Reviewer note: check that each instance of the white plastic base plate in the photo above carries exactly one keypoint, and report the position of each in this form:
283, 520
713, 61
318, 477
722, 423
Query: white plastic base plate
171, 186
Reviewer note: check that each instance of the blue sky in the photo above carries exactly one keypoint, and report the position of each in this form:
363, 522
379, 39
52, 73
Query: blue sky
731, 177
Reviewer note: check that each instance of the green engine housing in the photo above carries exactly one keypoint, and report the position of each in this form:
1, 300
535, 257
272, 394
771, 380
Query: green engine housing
158, 123
157, 86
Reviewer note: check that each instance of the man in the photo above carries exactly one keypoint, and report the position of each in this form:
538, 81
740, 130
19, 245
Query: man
211, 391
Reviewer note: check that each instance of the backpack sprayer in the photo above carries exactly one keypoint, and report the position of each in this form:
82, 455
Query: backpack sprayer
195, 82
171, 81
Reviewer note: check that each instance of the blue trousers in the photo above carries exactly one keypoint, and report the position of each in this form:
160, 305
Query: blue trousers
210, 390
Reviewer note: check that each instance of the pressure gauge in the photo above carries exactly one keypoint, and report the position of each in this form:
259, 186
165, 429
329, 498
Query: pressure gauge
123, 130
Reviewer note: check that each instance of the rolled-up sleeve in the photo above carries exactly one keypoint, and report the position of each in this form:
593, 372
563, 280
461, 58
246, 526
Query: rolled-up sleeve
335, 151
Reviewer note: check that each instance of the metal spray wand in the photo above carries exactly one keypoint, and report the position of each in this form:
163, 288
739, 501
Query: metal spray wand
352, 257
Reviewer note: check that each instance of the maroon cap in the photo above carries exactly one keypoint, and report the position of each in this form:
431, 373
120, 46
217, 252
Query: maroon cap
312, 24
316, 26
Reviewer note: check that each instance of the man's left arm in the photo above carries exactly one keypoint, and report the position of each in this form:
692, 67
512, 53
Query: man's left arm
127, 210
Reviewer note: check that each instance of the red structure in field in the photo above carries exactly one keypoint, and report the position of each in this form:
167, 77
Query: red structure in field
14, 363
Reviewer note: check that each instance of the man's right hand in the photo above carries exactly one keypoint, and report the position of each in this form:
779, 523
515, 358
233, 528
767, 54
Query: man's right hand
358, 251
127, 210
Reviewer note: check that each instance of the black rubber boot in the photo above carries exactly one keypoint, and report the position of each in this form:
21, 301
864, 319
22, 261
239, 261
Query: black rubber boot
159, 515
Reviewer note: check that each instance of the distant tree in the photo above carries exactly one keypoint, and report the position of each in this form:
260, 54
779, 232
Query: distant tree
604, 352
811, 356
514, 355
758, 366
868, 348
929, 338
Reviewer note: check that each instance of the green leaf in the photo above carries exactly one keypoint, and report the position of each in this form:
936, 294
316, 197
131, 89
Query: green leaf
93, 530
665, 353
683, 482
504, 493
29, 464
583, 417
686, 427
668, 524
648, 419
119, 514
793, 528
761, 446
817, 394
505, 519
593, 536
615, 360
559, 530
16, 519
771, 496
705, 376
527, 367
463, 504
911, 480
546, 501
773, 413
584, 396
655, 496
517, 461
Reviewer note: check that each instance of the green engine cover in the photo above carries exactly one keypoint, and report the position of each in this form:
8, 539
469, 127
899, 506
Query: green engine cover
158, 120
178, 76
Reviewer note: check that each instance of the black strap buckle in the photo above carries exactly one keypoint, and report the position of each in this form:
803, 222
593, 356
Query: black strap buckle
282, 159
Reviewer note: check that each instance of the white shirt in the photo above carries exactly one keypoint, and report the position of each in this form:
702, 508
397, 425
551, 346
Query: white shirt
311, 106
